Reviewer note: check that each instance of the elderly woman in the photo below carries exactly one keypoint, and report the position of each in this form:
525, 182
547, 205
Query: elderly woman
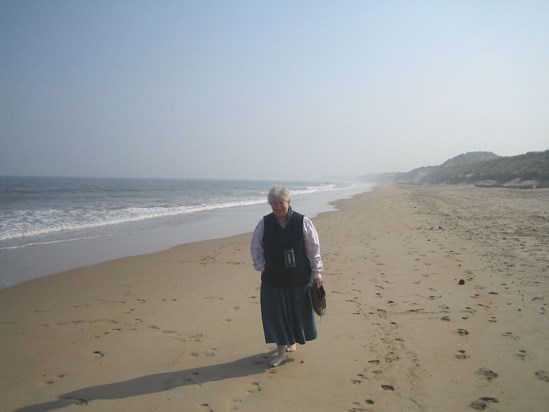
286, 250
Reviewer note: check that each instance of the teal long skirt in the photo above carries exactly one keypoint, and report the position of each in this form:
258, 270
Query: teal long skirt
287, 315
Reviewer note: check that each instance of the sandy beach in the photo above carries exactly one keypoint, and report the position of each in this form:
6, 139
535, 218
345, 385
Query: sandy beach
437, 301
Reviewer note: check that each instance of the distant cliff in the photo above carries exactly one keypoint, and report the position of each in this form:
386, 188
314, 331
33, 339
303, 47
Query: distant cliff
530, 170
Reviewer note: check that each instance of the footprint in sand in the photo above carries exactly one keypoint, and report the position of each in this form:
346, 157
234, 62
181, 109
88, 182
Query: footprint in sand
462, 332
521, 354
206, 407
391, 357
358, 380
77, 401
358, 406
461, 354
51, 381
195, 338
544, 376
255, 387
510, 335
210, 353
482, 403
487, 373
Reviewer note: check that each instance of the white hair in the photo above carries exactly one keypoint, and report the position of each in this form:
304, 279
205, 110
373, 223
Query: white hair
278, 192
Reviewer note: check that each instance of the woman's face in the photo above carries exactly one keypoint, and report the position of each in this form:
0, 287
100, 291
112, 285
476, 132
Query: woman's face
280, 207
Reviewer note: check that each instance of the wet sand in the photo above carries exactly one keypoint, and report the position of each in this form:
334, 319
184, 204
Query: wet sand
437, 301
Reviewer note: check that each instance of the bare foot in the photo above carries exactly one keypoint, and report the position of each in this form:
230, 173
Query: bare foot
291, 348
280, 357
277, 360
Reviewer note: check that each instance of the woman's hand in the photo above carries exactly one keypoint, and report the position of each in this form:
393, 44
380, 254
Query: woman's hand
318, 282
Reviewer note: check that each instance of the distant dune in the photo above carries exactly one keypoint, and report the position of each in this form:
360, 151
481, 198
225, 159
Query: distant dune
486, 169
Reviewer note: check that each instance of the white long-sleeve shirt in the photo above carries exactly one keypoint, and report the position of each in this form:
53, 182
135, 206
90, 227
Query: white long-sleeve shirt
312, 247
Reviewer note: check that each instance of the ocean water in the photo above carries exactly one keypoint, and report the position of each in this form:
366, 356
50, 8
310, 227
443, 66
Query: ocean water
48, 225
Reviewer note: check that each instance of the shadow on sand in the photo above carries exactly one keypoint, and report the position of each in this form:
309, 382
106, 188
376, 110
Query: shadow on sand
158, 382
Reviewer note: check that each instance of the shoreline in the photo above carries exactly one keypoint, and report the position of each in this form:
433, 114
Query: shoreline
180, 329
45, 259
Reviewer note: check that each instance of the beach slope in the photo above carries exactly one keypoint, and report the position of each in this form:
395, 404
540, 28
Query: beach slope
437, 301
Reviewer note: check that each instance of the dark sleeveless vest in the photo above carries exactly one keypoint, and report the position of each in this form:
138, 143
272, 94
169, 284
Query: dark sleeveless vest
275, 241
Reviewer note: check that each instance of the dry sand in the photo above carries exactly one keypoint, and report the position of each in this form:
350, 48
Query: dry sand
181, 331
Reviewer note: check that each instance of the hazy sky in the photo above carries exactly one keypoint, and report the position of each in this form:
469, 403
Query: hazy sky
267, 89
